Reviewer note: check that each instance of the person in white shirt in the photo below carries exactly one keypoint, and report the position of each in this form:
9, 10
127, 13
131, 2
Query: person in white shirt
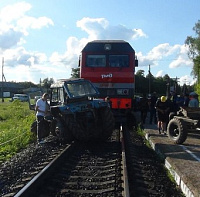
41, 110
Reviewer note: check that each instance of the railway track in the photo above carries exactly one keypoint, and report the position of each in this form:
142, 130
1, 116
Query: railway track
122, 166
97, 169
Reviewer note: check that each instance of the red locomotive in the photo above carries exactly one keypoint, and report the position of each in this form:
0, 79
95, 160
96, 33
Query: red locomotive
110, 66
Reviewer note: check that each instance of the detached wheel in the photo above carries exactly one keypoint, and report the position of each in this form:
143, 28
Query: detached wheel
171, 115
176, 131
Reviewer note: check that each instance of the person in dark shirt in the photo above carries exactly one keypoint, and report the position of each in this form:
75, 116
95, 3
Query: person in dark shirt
180, 100
152, 109
143, 106
186, 100
162, 111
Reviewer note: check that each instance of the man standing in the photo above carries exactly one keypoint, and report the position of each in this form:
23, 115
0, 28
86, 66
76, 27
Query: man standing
41, 109
152, 108
162, 109
143, 105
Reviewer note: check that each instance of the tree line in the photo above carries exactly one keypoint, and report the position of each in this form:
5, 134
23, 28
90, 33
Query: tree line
194, 53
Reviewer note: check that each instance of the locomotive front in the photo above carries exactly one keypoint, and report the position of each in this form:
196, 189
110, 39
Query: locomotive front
110, 66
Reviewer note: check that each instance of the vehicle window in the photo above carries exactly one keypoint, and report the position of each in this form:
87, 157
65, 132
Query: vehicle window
118, 61
80, 89
61, 95
57, 95
54, 97
96, 61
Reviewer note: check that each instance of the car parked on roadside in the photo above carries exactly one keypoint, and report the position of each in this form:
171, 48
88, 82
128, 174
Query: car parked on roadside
21, 97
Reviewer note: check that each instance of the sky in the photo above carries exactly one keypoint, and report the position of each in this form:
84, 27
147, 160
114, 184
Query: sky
43, 38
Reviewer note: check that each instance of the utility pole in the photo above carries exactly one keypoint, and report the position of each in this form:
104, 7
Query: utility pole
2, 81
149, 80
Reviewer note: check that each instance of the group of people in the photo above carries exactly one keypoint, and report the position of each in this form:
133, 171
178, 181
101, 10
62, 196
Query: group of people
159, 108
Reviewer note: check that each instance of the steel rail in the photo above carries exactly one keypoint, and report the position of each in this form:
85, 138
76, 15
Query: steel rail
124, 167
29, 188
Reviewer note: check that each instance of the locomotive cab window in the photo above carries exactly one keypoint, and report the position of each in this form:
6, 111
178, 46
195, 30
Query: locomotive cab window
118, 60
96, 61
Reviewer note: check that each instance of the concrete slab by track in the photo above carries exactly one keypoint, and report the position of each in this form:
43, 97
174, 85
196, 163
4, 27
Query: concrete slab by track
183, 161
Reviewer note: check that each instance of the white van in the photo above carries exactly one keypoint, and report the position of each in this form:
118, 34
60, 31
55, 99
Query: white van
21, 97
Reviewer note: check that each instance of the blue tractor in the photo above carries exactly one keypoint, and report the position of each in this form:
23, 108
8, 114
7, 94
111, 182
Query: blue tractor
76, 113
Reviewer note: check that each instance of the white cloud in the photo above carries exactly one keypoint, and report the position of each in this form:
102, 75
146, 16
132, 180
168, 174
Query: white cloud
186, 79
9, 38
34, 23
99, 28
19, 56
139, 33
96, 28
177, 54
160, 73
14, 24
182, 58
14, 12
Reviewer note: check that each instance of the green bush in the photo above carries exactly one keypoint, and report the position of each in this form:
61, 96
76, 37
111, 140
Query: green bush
15, 122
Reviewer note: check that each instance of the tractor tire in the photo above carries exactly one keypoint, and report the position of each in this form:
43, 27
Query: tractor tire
34, 127
63, 132
46, 130
53, 128
79, 133
107, 124
100, 130
176, 131
80, 130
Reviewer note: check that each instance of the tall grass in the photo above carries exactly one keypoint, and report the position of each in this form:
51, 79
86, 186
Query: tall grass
15, 122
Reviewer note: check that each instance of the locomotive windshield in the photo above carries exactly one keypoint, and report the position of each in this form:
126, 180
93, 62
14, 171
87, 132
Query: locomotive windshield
96, 61
113, 60
118, 60
81, 88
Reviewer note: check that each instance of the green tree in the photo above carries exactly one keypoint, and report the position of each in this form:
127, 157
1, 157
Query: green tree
75, 72
27, 84
46, 83
140, 73
194, 50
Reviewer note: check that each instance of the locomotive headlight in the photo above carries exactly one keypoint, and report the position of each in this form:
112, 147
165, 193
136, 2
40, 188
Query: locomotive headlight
107, 47
122, 91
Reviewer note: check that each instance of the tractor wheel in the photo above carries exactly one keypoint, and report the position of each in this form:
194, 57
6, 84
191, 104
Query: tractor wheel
107, 124
46, 130
176, 131
80, 130
98, 130
62, 132
53, 128
34, 127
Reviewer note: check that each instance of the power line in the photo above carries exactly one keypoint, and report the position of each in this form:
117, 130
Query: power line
2, 80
